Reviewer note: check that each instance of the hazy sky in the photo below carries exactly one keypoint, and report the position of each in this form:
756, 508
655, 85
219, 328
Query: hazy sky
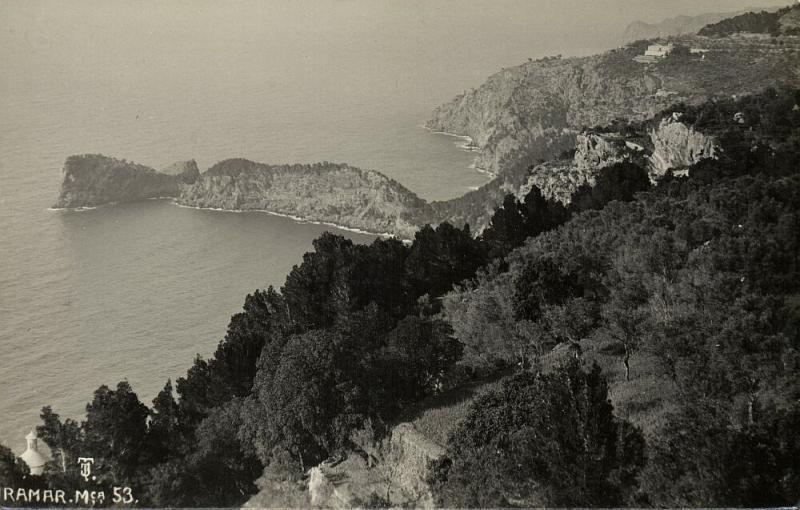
589, 21
162, 40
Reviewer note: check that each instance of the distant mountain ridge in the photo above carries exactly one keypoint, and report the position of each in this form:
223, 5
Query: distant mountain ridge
679, 25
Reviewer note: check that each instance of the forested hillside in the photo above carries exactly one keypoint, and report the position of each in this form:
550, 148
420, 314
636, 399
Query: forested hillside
687, 301
645, 337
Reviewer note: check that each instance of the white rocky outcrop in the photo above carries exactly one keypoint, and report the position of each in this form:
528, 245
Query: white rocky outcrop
397, 478
670, 146
559, 179
677, 146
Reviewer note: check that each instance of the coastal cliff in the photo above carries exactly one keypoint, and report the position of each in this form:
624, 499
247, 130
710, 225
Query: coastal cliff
528, 111
525, 120
93, 179
366, 200
538, 107
335, 194
325, 192
677, 146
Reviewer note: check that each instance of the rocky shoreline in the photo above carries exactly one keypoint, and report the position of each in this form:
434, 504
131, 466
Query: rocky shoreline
366, 201
326, 193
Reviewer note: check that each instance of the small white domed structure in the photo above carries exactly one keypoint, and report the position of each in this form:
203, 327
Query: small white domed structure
32, 457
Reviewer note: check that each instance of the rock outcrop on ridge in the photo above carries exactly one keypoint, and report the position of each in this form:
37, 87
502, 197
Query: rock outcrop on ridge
677, 146
671, 145
398, 478
186, 170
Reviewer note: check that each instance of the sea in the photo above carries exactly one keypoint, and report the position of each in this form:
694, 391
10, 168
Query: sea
135, 291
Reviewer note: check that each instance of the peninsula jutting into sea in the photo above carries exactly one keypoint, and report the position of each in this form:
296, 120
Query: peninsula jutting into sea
366, 200
610, 318
538, 111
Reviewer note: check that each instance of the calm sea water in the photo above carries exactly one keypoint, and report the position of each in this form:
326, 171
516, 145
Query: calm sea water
134, 291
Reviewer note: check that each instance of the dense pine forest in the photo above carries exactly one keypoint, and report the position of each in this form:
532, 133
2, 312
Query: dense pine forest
643, 341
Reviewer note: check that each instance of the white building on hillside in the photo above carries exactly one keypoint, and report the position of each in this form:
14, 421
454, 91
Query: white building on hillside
659, 50
654, 53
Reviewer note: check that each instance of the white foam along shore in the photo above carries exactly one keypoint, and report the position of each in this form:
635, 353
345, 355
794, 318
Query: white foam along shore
76, 209
468, 144
298, 219
93, 207
482, 170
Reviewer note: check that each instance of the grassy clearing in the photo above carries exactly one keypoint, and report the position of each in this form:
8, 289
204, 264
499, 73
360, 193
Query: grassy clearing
436, 417
646, 398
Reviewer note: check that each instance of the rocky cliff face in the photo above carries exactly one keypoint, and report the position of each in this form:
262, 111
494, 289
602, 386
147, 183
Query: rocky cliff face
677, 146
670, 145
599, 150
93, 179
332, 193
559, 179
536, 107
527, 115
529, 111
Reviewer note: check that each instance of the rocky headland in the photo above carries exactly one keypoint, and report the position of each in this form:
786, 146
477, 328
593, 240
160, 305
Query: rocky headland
93, 179
366, 200
186, 171
325, 192
553, 122
336, 194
